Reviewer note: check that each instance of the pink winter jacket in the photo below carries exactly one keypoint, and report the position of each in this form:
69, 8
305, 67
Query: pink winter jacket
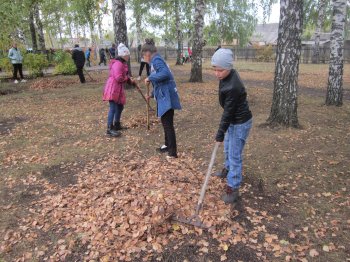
118, 76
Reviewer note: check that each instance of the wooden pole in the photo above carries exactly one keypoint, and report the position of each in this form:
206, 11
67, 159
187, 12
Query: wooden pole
144, 98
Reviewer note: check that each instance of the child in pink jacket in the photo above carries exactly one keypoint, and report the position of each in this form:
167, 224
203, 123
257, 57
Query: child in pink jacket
114, 90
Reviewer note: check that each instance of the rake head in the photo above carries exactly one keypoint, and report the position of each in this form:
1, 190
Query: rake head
193, 220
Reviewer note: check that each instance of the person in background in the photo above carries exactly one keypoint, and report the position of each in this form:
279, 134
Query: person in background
219, 46
102, 57
185, 57
112, 52
142, 65
190, 53
114, 90
165, 94
87, 56
235, 124
16, 61
79, 61
108, 56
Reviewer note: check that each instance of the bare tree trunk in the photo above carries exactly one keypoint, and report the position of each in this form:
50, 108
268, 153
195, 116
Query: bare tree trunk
100, 31
285, 93
50, 38
138, 33
336, 61
59, 29
178, 33
119, 24
69, 27
166, 30
32, 30
198, 42
316, 47
220, 10
39, 25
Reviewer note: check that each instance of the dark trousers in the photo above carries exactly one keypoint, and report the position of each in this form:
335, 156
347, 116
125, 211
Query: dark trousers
169, 132
81, 74
142, 65
88, 62
17, 68
102, 60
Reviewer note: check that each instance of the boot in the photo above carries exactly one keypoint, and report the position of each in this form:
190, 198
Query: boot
222, 174
118, 126
111, 132
231, 195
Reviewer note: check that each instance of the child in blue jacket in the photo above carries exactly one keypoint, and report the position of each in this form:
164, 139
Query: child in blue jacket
165, 94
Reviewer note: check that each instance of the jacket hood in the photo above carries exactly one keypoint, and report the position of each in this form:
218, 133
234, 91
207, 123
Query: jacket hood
78, 48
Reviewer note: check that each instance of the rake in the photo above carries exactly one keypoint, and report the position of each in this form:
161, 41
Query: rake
195, 220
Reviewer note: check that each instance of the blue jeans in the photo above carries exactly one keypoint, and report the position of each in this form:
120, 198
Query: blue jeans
234, 142
115, 112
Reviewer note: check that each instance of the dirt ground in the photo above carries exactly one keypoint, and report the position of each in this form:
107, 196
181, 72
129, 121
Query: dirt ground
59, 171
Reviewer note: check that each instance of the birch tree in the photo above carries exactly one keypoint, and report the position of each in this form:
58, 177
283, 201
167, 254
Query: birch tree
39, 25
198, 42
178, 32
119, 24
284, 101
32, 29
336, 62
320, 17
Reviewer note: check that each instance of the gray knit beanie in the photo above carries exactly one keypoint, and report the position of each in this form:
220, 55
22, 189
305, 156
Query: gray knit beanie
223, 58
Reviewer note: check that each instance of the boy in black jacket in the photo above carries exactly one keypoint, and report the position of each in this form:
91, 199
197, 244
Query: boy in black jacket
79, 61
236, 121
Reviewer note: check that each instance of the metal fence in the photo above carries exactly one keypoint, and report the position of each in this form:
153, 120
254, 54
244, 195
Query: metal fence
256, 54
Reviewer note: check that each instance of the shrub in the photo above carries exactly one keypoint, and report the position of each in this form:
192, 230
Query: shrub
64, 63
265, 54
35, 63
5, 65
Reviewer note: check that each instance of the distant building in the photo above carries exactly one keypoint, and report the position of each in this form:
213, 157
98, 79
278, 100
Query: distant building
265, 34
325, 40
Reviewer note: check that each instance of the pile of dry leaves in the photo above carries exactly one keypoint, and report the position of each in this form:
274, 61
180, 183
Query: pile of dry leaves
47, 83
141, 121
121, 209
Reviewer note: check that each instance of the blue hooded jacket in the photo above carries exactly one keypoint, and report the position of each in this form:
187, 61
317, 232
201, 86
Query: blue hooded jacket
164, 86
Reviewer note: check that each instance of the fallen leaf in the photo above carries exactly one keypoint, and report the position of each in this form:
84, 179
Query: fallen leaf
313, 253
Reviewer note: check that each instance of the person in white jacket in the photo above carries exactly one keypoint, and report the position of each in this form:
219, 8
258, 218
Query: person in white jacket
16, 60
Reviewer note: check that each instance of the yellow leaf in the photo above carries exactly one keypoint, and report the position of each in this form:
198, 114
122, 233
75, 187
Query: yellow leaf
225, 247
176, 227
325, 248
105, 259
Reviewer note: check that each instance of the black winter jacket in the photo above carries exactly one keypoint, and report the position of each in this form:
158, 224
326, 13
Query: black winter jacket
233, 99
78, 57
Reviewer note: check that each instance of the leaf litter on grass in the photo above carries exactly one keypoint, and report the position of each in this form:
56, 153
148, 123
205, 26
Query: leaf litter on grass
121, 209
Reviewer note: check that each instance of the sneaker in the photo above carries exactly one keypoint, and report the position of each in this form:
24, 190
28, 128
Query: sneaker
23, 81
138, 78
231, 195
162, 149
16, 82
170, 157
222, 174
